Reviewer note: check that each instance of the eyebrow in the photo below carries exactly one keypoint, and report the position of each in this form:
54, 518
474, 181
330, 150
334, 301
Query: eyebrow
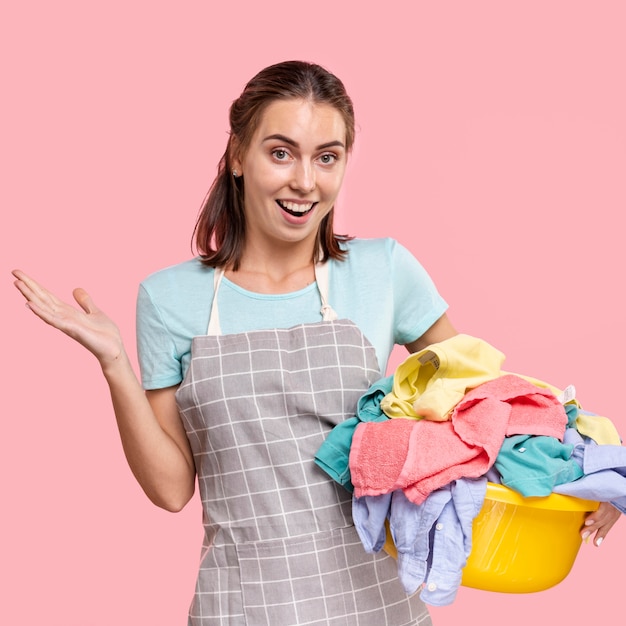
295, 144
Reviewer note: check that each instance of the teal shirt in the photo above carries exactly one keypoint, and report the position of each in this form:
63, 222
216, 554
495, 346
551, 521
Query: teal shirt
380, 286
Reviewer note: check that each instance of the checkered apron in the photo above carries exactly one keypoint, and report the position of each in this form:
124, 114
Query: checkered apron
280, 547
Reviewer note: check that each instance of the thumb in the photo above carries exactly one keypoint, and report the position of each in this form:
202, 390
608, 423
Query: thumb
84, 300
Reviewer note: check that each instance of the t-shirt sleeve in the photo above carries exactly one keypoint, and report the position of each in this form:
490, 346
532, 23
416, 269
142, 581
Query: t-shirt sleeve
417, 303
159, 364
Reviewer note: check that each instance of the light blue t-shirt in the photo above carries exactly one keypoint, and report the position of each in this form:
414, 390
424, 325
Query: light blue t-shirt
380, 286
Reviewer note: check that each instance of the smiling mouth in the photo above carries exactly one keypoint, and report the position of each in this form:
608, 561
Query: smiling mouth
297, 210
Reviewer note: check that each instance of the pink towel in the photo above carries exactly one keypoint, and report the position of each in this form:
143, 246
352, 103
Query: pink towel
421, 456
377, 455
534, 410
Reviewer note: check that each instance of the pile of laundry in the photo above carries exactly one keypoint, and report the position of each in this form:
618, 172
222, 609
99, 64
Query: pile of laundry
425, 441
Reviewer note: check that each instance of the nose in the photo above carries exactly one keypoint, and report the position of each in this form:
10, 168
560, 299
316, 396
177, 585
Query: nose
303, 177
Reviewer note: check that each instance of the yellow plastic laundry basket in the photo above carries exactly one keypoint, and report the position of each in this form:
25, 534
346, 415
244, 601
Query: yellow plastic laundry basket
522, 545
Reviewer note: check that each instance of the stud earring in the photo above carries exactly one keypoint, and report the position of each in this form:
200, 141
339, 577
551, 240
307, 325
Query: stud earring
235, 174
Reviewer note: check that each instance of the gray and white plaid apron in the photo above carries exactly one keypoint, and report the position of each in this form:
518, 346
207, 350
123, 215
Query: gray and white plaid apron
280, 547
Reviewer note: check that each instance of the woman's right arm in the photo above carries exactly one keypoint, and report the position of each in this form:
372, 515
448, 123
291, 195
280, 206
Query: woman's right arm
150, 427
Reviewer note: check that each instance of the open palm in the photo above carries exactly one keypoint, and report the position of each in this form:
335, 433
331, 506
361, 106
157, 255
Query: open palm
88, 325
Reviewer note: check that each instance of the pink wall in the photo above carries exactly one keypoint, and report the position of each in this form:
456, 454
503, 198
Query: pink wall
492, 142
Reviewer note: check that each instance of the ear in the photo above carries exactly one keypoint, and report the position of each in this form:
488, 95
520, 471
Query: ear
235, 155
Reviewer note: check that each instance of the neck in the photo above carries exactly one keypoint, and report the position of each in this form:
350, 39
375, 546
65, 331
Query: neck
275, 271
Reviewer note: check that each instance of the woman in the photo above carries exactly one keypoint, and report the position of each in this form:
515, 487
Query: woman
253, 351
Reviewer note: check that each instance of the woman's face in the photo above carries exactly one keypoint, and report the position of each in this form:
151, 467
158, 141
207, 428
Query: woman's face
292, 171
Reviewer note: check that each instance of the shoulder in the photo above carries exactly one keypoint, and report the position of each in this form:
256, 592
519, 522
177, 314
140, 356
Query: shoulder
379, 254
173, 306
184, 276
359, 244
363, 249
180, 292
387, 264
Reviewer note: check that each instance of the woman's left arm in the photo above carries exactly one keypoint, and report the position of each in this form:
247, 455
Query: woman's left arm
442, 329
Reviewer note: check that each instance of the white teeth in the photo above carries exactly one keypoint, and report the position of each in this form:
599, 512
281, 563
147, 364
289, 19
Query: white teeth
296, 208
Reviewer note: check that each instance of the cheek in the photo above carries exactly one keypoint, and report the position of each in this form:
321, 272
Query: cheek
332, 185
268, 179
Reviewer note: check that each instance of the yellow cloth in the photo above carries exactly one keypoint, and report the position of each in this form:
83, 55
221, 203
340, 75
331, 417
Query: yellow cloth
430, 383
597, 427
600, 429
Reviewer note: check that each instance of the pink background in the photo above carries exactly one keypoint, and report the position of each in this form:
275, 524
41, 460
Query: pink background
492, 142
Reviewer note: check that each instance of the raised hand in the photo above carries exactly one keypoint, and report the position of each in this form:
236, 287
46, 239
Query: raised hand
88, 325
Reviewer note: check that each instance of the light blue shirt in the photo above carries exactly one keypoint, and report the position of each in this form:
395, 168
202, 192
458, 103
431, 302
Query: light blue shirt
604, 468
433, 539
380, 286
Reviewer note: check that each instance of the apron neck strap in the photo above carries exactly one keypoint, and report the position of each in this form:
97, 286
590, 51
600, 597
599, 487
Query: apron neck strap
321, 278
214, 328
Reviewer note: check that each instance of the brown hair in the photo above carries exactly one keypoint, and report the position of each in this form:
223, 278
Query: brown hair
220, 231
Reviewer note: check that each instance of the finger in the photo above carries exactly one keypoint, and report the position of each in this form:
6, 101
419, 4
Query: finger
601, 533
29, 282
592, 523
18, 274
32, 290
41, 302
48, 314
600, 522
587, 530
33, 299
22, 283
84, 301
